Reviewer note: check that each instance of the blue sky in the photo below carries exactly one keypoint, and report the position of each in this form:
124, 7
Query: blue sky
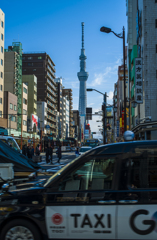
55, 27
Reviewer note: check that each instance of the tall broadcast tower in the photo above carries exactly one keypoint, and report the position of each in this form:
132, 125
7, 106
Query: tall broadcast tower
82, 76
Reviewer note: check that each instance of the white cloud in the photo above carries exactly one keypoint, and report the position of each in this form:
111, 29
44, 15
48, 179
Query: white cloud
110, 95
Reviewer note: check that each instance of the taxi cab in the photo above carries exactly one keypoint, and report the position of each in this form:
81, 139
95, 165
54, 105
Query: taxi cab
110, 192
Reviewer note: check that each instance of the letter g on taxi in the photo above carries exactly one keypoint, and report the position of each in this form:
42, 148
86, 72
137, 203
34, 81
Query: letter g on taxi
151, 223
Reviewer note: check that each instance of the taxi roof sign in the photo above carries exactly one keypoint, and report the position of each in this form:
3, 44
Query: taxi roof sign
128, 136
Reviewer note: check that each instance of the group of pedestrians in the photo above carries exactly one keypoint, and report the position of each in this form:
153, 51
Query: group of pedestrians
29, 151
49, 154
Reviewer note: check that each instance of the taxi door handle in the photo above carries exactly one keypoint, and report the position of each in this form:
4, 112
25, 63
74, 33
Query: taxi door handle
128, 201
106, 201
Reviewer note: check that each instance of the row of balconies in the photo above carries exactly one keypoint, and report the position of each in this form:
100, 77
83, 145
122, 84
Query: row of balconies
52, 85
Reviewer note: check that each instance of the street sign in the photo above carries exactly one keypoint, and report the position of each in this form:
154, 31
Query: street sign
47, 127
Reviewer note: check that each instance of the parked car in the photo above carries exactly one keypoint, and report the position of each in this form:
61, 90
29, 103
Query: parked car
109, 192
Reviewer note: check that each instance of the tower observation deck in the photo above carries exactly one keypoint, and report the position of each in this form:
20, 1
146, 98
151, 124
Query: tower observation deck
82, 76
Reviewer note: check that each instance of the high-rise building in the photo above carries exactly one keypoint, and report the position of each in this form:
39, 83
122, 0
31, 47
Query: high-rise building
82, 76
24, 107
13, 75
63, 109
10, 110
76, 119
1, 62
42, 114
68, 94
43, 67
144, 46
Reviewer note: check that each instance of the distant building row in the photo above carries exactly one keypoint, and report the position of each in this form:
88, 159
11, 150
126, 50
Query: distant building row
32, 99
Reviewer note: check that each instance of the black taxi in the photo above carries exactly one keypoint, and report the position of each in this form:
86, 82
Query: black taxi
110, 192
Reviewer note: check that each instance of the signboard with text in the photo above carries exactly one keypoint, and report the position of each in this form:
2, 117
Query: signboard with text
117, 128
138, 81
122, 121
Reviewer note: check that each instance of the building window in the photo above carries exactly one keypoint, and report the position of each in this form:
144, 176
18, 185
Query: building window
24, 101
29, 58
25, 90
1, 87
11, 106
0, 113
2, 24
24, 123
15, 107
13, 119
24, 70
156, 48
34, 70
156, 73
1, 36
40, 57
155, 1
2, 62
23, 58
24, 112
1, 75
0, 100
1, 49
156, 23
30, 64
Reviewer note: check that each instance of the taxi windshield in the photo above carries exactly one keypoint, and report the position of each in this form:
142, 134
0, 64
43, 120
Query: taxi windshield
60, 172
13, 144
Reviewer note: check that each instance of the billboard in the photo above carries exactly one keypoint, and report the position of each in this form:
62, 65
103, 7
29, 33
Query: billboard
34, 122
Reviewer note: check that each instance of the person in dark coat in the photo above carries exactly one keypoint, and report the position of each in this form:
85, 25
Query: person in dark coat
51, 154
59, 152
32, 152
28, 151
47, 154
24, 150
37, 150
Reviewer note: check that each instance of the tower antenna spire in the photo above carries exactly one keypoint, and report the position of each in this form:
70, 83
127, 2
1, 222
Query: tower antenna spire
82, 35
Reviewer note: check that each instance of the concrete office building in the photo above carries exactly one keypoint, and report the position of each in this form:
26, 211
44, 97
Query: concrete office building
76, 119
42, 114
43, 67
10, 110
13, 75
31, 82
68, 94
24, 107
144, 123
64, 117
2, 15
67, 118
59, 105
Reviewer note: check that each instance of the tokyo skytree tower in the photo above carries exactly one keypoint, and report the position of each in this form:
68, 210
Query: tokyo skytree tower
82, 76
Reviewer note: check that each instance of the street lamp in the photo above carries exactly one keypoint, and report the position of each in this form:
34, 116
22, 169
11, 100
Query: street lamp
104, 112
122, 36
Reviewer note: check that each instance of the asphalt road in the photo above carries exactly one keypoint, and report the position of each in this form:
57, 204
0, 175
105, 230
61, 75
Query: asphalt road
66, 158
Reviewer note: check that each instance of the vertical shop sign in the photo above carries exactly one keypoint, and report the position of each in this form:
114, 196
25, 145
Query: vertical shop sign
117, 128
122, 122
138, 81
